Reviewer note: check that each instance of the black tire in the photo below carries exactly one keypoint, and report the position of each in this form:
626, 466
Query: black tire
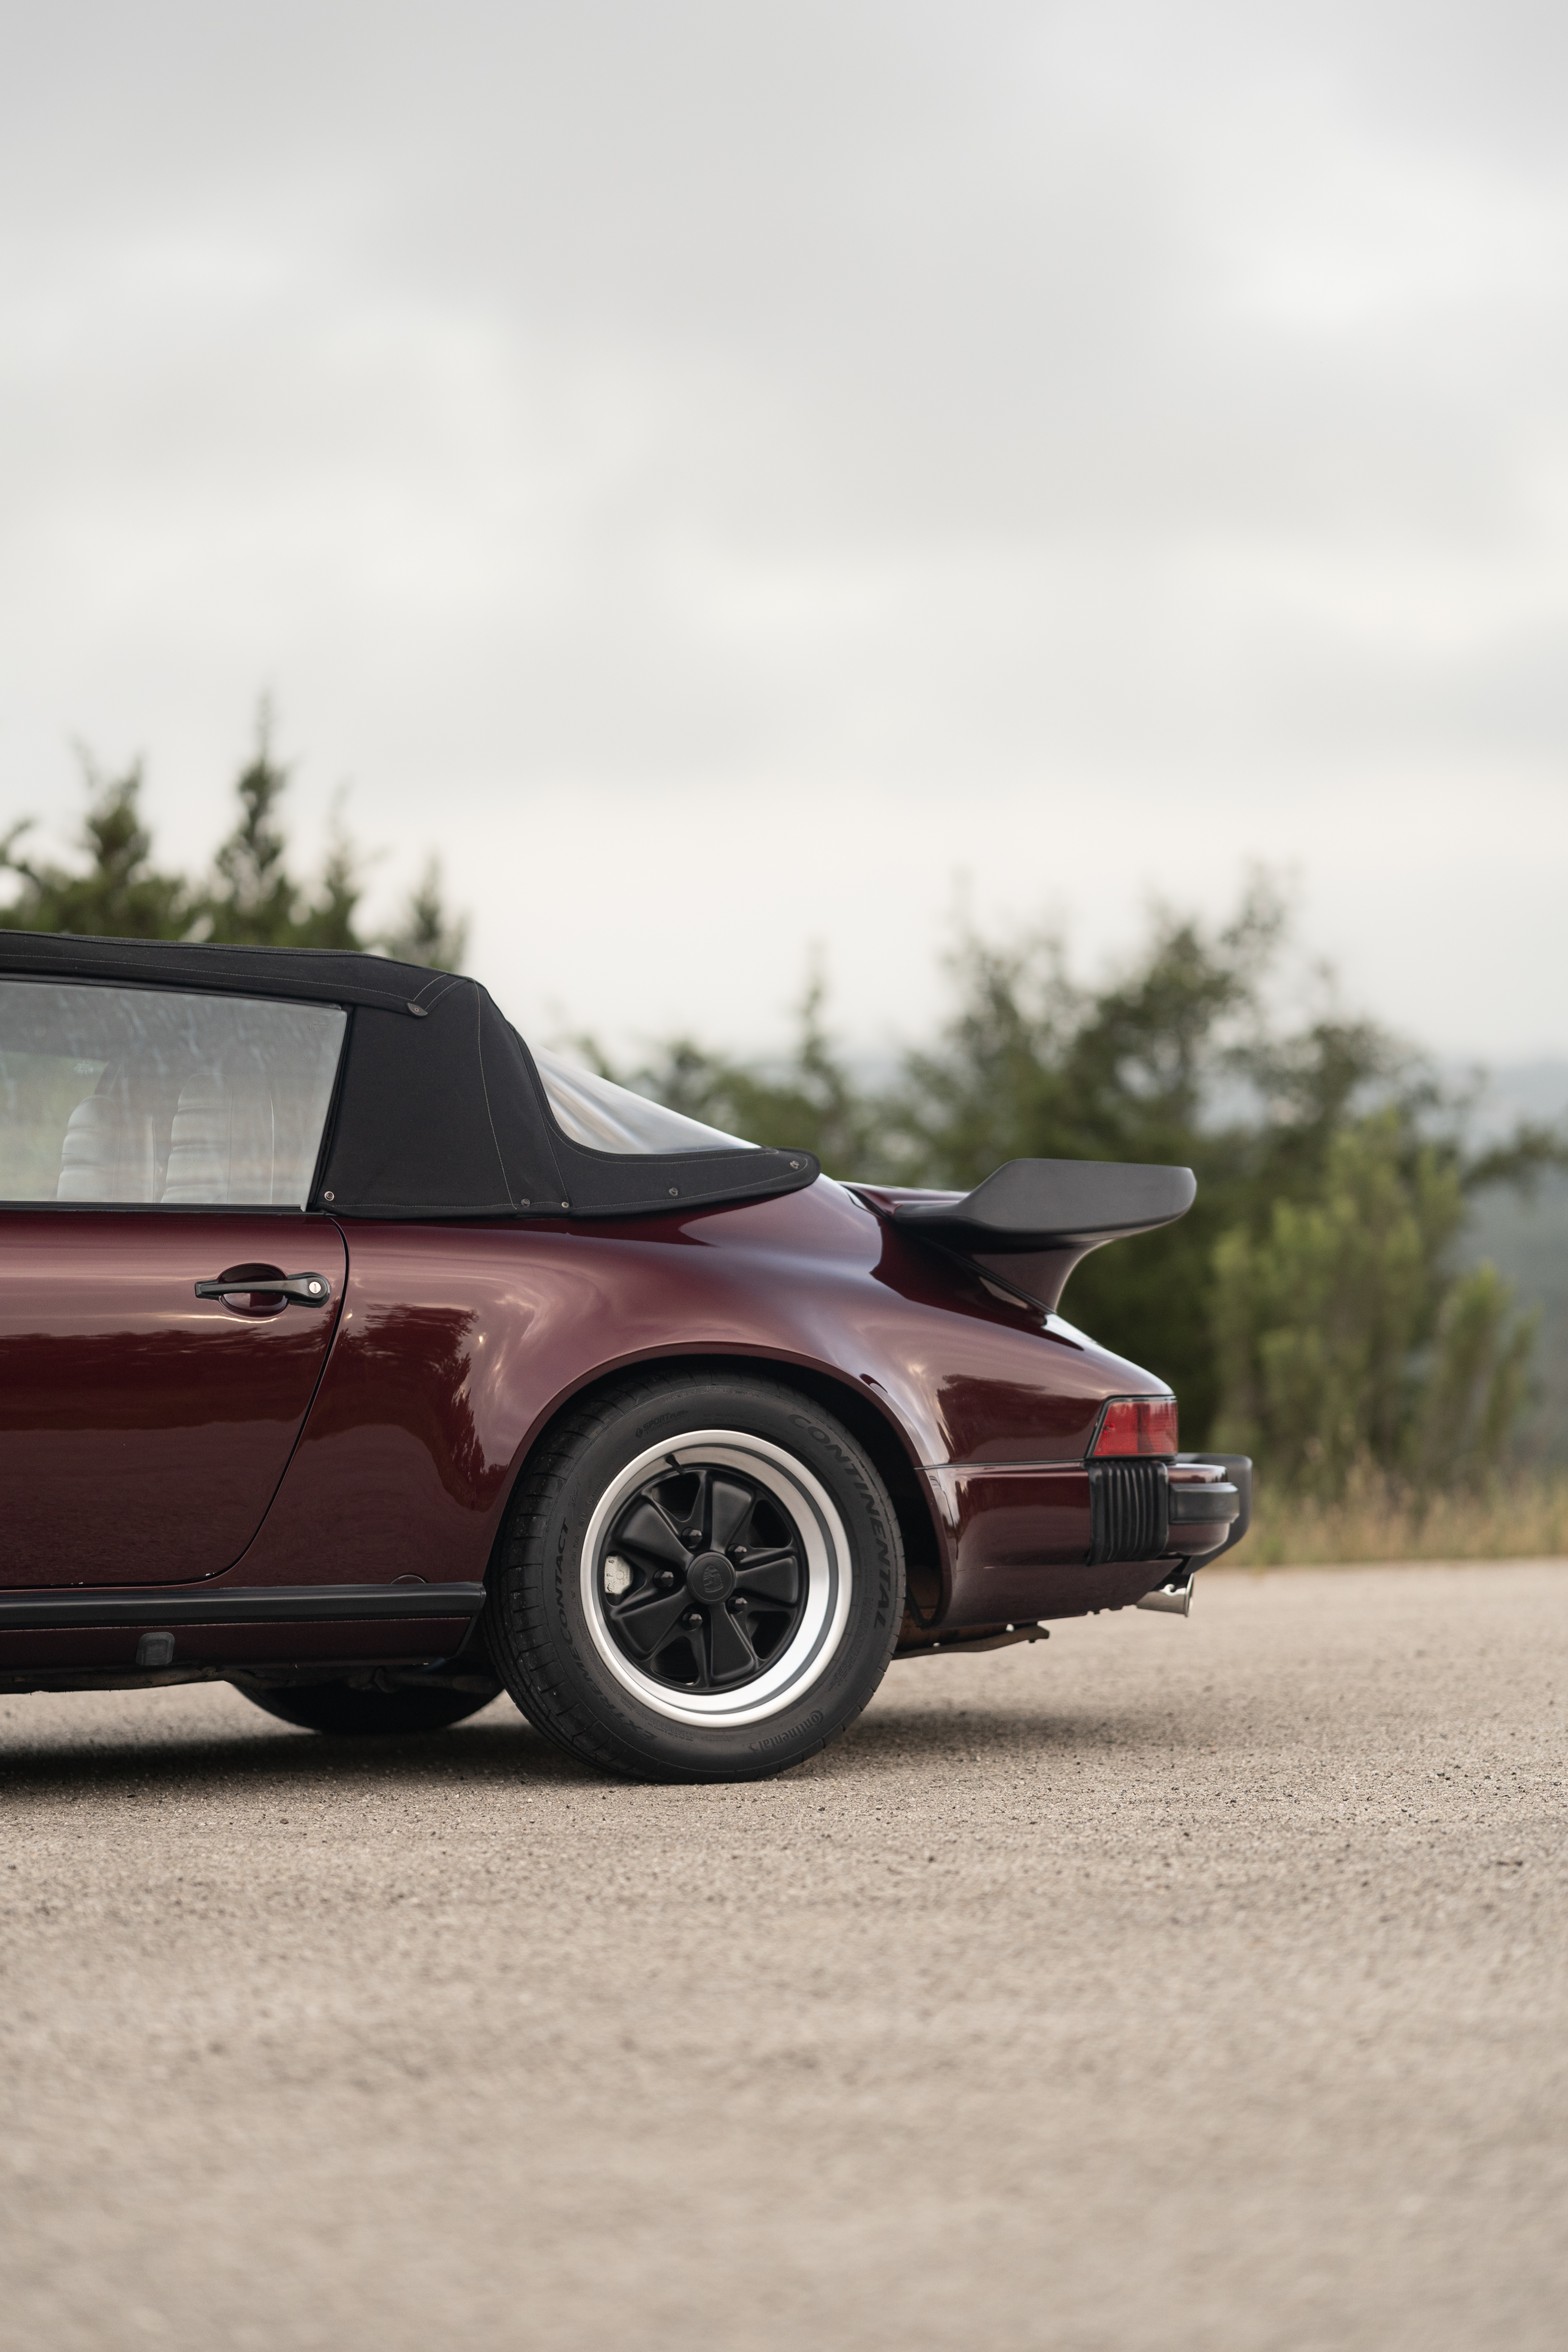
634, 1662
364, 1714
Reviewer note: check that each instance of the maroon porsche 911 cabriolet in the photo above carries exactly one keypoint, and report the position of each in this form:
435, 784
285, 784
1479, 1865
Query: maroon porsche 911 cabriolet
357, 1355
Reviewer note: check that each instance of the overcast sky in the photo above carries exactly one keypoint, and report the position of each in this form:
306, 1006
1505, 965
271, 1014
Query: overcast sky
731, 476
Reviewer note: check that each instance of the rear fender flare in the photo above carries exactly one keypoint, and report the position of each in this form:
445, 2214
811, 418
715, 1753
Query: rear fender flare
863, 1409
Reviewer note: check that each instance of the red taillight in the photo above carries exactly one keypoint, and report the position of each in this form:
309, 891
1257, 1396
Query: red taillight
1119, 1430
1138, 1425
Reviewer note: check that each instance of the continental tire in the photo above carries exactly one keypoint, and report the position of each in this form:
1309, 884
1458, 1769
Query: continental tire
702, 1580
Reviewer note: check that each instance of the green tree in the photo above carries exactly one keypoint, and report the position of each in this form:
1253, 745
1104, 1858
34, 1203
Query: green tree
1346, 1335
250, 900
1176, 1059
428, 933
119, 893
1182, 1058
1179, 1058
254, 899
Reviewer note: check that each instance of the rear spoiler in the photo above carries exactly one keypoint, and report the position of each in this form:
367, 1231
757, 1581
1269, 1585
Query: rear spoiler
1030, 1223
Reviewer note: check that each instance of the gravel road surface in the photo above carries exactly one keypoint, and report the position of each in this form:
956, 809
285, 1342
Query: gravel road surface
1166, 1985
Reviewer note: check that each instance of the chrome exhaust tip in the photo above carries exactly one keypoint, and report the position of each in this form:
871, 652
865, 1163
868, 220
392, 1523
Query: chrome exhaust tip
1174, 1599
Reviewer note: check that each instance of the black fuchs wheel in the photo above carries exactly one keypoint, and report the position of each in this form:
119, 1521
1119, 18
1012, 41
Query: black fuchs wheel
359, 1714
702, 1580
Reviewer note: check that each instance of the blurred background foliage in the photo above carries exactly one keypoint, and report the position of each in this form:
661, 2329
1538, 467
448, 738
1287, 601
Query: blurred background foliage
251, 898
1315, 1308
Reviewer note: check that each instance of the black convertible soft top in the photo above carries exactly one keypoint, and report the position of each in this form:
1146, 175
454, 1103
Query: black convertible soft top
440, 1109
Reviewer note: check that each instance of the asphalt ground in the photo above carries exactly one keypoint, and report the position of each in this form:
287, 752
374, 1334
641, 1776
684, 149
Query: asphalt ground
1166, 1985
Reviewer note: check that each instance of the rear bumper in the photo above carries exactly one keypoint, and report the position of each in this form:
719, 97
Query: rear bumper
1035, 1542
1236, 1469
1147, 1510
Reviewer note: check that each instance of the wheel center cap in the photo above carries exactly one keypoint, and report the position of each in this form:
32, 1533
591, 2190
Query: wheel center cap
710, 1578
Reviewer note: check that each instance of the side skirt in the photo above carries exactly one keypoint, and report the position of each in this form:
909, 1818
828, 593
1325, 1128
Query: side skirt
274, 1604
368, 1674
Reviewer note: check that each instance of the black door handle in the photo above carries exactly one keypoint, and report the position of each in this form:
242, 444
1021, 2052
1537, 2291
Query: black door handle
309, 1289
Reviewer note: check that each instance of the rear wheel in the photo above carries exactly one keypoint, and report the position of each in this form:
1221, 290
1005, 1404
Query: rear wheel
703, 1580
357, 1713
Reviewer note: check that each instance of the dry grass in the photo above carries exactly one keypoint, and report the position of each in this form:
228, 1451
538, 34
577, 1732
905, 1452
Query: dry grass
1525, 1517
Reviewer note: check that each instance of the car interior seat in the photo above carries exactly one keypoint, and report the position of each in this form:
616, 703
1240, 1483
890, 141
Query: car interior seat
223, 1140
108, 1153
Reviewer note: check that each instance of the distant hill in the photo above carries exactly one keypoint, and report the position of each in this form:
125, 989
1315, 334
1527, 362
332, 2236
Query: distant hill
1534, 1090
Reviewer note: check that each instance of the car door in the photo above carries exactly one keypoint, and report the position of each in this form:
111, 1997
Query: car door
157, 1149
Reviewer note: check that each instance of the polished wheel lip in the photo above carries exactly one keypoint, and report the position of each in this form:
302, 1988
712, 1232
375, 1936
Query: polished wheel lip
823, 1542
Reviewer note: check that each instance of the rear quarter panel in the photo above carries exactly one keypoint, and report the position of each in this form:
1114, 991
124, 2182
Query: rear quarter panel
458, 1344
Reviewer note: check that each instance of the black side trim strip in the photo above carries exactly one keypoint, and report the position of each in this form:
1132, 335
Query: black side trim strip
291, 1604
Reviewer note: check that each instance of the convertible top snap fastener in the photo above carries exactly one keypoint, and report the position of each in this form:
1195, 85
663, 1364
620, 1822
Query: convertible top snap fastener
674, 1193
329, 1196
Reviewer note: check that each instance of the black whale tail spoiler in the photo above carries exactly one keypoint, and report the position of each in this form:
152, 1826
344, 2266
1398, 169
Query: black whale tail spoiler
1030, 1223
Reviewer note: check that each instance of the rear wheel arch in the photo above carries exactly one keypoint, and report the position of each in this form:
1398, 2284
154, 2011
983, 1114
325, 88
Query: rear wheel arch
865, 1420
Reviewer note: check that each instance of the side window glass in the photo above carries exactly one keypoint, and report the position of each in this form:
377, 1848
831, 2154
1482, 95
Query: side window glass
152, 1095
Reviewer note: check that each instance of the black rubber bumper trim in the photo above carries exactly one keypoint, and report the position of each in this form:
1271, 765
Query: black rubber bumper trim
1195, 1505
289, 1604
1238, 1469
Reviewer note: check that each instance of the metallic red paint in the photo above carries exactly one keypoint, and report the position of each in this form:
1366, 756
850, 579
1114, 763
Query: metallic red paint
143, 1431
457, 1345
